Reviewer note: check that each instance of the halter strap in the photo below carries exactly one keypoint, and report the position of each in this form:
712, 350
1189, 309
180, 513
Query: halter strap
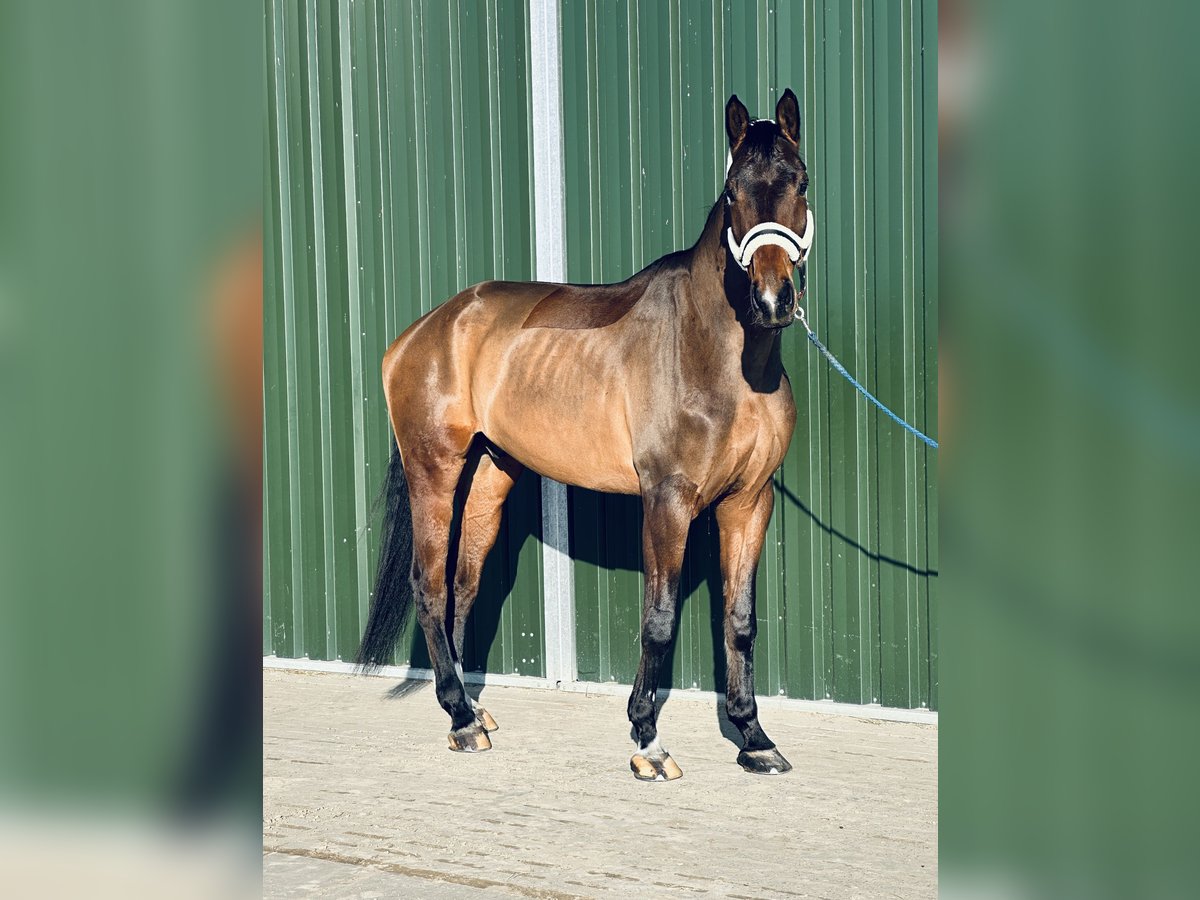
772, 233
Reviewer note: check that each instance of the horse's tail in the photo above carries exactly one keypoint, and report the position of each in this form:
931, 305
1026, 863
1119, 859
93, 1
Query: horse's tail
393, 596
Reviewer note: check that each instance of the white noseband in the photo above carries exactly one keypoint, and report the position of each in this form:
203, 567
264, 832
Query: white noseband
773, 233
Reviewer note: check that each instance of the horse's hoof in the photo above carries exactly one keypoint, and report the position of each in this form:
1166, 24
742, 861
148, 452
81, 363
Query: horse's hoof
471, 739
764, 762
654, 768
484, 718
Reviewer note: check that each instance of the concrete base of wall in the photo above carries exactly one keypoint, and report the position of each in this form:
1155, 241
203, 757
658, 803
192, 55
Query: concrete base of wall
409, 673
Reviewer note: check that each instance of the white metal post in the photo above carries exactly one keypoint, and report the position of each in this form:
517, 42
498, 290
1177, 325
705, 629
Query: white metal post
550, 260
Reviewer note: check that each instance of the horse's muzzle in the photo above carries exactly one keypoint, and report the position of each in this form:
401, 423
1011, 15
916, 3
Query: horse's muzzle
778, 309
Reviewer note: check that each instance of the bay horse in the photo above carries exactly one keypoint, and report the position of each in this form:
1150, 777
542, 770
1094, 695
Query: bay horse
668, 385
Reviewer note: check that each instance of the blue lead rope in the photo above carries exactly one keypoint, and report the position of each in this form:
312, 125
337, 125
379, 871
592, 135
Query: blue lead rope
850, 378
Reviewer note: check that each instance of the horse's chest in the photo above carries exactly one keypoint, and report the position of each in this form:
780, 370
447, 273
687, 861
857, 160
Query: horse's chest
764, 433
750, 442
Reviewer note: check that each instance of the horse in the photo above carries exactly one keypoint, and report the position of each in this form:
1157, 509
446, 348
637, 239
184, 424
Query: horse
668, 385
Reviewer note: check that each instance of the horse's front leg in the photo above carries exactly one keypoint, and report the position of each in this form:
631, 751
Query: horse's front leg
669, 507
742, 520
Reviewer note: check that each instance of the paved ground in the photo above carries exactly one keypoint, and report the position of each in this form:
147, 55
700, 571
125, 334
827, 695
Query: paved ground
362, 799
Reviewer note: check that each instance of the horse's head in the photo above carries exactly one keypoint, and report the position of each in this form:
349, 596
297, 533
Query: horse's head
770, 228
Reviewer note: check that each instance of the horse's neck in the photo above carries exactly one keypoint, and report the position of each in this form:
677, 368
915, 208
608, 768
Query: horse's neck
719, 299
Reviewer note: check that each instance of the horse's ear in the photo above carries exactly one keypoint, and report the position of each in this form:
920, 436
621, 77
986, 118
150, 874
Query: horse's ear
787, 116
737, 120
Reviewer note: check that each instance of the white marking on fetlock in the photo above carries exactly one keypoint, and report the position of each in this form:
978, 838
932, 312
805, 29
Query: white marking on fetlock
652, 750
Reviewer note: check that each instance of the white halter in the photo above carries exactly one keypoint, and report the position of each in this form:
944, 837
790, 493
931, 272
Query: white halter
765, 233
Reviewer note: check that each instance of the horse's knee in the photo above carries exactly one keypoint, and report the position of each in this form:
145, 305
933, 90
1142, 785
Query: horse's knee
658, 623
658, 631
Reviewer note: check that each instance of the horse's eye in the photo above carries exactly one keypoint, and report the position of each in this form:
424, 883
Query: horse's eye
729, 197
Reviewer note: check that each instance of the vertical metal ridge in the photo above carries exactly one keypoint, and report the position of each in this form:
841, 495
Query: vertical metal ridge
865, 422
421, 153
550, 255
720, 84
636, 243
380, 436
828, 597
674, 90
912, 454
881, 359
384, 147
461, 250
289, 324
323, 374
270, 245
593, 135
354, 285
495, 146
387, 163
929, 146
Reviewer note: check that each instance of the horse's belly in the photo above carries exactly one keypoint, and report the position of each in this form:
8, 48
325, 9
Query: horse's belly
562, 444
572, 462
562, 418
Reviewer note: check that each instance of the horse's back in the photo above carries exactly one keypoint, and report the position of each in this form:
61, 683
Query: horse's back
576, 307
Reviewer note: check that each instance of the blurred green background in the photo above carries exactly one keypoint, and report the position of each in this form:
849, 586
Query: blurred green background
1071, 436
130, 135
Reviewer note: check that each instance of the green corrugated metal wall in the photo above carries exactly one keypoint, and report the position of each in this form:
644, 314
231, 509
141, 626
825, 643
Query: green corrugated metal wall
398, 173
847, 586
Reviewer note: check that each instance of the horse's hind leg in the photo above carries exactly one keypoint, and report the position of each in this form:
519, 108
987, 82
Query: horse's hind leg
433, 469
489, 484
669, 509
